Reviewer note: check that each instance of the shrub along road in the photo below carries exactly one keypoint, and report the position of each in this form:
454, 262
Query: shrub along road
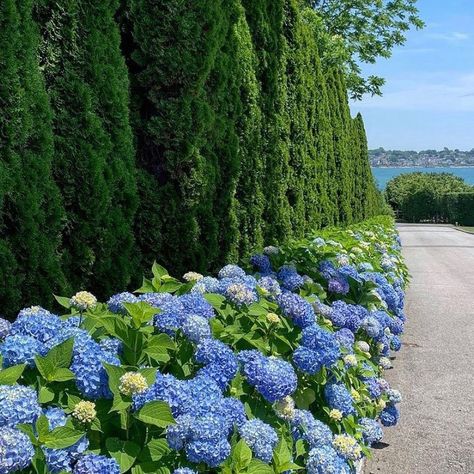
434, 370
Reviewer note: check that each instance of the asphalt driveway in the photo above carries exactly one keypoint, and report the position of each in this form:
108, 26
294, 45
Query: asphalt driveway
435, 368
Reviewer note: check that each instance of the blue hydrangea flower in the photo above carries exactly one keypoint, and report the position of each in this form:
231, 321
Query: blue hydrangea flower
325, 460
96, 464
4, 328
59, 460
195, 303
196, 328
87, 365
290, 279
273, 378
296, 308
261, 263
184, 470
213, 452
111, 345
348, 316
19, 405
346, 338
327, 269
206, 285
338, 285
319, 348
389, 416
42, 326
157, 300
260, 437
371, 431
394, 396
219, 360
116, 302
21, 350
56, 417
395, 343
339, 398
372, 386
314, 432
171, 317
16, 450
231, 271
270, 285
240, 294
372, 327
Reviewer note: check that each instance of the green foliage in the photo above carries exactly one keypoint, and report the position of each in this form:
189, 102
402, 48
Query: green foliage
135, 429
30, 207
94, 157
239, 134
358, 31
430, 197
459, 207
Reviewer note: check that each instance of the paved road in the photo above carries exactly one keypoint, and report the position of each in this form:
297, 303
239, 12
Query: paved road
435, 368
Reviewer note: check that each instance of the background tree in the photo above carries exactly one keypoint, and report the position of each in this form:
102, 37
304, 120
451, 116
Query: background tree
361, 31
30, 207
94, 165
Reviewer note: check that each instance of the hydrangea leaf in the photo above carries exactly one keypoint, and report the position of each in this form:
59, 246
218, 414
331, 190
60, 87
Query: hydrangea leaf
124, 452
156, 413
241, 455
10, 375
61, 437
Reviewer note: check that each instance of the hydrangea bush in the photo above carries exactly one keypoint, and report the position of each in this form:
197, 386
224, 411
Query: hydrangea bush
277, 368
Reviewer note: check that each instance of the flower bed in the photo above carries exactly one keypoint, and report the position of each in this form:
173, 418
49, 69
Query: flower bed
272, 371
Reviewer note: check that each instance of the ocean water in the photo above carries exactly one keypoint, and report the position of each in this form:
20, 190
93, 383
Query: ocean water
384, 175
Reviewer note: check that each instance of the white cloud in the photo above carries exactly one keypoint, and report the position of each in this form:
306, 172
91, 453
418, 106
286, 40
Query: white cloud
454, 36
445, 92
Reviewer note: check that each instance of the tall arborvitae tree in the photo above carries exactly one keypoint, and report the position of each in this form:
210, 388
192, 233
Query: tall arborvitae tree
341, 126
311, 136
106, 72
235, 140
266, 22
174, 48
93, 164
31, 211
369, 198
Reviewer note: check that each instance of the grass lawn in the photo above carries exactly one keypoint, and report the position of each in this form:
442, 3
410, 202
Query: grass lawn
468, 229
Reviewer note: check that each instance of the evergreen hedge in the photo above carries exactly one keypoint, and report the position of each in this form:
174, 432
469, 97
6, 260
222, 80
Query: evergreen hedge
184, 132
30, 207
459, 207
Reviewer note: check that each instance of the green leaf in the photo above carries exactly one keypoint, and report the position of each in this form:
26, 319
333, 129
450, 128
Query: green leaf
215, 300
62, 437
141, 313
45, 395
170, 285
158, 271
259, 467
281, 456
147, 287
58, 357
124, 452
114, 373
42, 427
156, 413
64, 301
305, 398
241, 455
62, 375
11, 375
155, 450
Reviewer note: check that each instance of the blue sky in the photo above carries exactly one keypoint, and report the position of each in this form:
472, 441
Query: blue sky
428, 101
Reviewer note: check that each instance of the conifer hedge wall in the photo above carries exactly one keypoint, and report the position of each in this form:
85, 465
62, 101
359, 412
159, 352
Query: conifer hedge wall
187, 132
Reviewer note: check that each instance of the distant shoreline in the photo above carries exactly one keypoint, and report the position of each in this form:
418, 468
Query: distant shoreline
421, 167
